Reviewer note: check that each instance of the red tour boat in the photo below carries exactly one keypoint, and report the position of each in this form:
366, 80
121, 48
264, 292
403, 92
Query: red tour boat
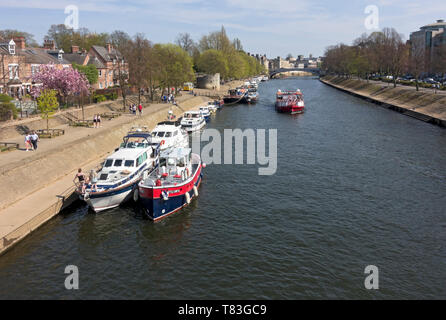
290, 101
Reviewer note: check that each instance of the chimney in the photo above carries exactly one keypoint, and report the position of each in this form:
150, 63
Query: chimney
108, 47
20, 42
49, 45
74, 49
440, 21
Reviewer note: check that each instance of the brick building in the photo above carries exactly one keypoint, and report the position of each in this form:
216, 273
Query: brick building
18, 63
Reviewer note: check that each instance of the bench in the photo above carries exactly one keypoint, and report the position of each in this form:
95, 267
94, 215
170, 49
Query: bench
8, 146
49, 133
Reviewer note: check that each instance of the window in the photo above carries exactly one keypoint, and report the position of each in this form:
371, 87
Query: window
103, 176
175, 133
118, 163
34, 69
108, 163
161, 134
11, 47
13, 71
100, 73
168, 134
100, 85
129, 163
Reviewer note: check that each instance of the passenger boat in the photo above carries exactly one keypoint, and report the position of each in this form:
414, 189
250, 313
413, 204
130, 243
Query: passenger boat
119, 176
206, 113
290, 101
170, 134
173, 185
235, 95
193, 121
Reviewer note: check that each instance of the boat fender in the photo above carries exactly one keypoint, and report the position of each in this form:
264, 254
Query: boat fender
203, 165
195, 191
136, 195
165, 195
183, 175
187, 197
187, 172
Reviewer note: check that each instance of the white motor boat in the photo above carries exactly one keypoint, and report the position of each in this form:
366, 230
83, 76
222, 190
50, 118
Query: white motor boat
206, 113
119, 176
170, 134
193, 121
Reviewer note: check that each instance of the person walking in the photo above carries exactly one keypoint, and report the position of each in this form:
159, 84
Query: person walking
140, 109
28, 142
95, 121
34, 139
134, 109
98, 120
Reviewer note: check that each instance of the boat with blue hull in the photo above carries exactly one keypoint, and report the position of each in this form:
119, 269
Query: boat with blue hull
173, 185
120, 173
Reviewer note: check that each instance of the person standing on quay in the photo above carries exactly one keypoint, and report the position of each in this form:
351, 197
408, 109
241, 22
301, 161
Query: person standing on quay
34, 140
98, 120
140, 109
95, 120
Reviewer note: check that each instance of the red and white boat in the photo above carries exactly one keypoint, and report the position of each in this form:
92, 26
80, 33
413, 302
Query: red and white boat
172, 185
290, 101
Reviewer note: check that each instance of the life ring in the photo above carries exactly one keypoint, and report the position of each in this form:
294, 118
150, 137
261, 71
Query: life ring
187, 197
136, 195
162, 142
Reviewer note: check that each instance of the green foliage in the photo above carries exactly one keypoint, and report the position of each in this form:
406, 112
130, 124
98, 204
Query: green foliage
47, 104
7, 107
99, 98
90, 71
213, 61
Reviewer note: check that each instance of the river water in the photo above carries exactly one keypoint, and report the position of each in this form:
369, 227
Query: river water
356, 185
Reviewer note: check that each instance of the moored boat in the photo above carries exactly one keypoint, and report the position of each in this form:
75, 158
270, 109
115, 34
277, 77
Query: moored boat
290, 101
170, 134
173, 185
193, 121
235, 95
205, 112
119, 176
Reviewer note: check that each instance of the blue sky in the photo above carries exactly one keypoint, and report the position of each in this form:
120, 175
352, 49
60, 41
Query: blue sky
273, 27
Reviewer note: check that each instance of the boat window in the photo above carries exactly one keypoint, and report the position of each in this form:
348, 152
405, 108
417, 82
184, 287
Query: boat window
129, 163
175, 133
162, 162
118, 163
154, 133
171, 162
161, 134
108, 163
103, 176
168, 134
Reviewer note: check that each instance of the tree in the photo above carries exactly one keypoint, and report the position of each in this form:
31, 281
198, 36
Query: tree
185, 41
90, 71
138, 58
9, 34
66, 82
7, 108
417, 60
213, 61
120, 40
47, 104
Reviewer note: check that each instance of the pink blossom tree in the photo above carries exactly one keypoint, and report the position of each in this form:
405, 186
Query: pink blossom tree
66, 81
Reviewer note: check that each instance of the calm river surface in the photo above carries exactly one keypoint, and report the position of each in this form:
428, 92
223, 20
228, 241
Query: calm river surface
356, 185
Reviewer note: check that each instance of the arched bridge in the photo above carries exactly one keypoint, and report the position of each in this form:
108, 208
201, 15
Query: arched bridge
315, 71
